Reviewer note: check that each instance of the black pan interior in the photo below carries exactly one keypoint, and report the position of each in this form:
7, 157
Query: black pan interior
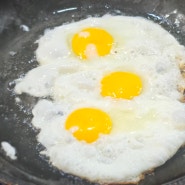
17, 57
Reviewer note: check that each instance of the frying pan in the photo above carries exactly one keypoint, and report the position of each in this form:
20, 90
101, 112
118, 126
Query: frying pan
17, 46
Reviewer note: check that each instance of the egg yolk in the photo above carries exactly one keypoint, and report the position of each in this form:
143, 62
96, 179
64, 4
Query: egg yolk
121, 85
92, 42
87, 123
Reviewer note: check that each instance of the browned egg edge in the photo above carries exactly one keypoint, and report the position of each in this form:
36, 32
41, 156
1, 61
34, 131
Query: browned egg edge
182, 70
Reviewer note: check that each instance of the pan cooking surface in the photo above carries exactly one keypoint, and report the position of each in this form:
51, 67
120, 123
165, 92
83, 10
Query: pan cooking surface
21, 24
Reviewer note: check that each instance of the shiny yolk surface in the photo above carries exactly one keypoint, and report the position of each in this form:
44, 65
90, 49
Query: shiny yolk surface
121, 85
91, 42
87, 123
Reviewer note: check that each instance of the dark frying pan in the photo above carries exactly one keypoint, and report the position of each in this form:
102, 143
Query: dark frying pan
30, 168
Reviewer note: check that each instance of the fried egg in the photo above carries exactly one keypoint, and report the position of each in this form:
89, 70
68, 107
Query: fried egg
114, 85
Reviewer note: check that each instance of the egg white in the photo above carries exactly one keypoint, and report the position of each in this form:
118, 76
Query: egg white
147, 130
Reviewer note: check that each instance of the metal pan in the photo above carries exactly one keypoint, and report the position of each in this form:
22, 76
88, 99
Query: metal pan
17, 57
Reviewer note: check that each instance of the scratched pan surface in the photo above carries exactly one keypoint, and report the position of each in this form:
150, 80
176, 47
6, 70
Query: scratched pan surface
17, 57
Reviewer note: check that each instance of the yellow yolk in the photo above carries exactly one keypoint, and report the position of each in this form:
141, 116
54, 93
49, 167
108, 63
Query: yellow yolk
92, 42
87, 123
121, 85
